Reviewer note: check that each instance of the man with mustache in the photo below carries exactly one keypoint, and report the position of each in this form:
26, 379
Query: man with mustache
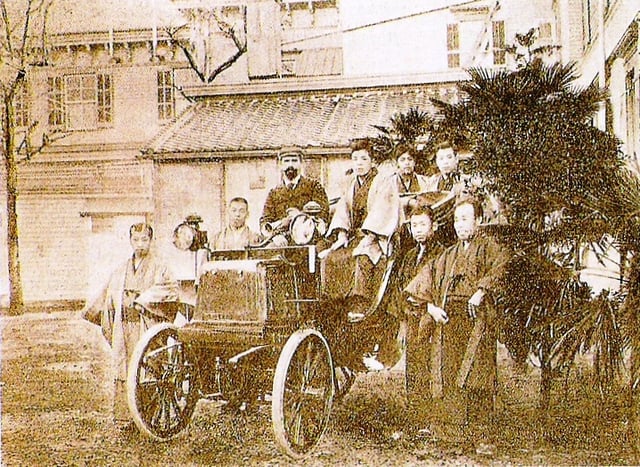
287, 199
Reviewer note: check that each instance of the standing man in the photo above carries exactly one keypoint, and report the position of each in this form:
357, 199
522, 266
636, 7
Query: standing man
141, 280
426, 248
454, 294
237, 234
288, 197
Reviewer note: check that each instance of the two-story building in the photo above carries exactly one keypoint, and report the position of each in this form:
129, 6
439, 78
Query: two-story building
601, 36
144, 140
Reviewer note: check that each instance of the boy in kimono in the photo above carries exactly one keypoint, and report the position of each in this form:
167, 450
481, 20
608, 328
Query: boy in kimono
422, 227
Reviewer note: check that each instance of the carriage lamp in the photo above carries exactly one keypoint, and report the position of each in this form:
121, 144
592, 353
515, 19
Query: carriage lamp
306, 227
188, 236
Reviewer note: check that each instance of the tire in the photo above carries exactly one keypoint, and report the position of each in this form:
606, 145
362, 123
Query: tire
303, 392
162, 383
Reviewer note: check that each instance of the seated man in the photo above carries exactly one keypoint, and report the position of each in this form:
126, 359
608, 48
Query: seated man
453, 296
237, 234
141, 280
289, 196
399, 192
354, 263
449, 178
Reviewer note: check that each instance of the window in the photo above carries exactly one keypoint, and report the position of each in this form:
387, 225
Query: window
166, 96
21, 105
105, 97
80, 102
545, 31
55, 95
499, 43
631, 112
588, 21
453, 46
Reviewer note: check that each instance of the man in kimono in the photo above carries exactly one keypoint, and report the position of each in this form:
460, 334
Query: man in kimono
237, 234
449, 177
453, 295
122, 308
360, 232
398, 192
287, 199
426, 248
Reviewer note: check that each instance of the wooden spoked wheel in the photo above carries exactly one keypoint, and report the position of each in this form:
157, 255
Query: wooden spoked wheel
303, 392
162, 383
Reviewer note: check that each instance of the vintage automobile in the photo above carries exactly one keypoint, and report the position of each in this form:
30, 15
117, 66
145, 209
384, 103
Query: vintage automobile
261, 332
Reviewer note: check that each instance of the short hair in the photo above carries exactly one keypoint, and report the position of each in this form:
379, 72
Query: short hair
362, 144
405, 149
141, 227
446, 144
473, 201
422, 208
290, 151
239, 199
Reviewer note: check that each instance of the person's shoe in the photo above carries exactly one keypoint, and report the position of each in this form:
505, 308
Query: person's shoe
355, 317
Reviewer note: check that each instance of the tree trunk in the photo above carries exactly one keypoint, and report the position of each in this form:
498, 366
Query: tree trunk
546, 379
16, 300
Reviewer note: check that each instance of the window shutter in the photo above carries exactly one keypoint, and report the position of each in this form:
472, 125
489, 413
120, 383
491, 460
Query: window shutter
263, 41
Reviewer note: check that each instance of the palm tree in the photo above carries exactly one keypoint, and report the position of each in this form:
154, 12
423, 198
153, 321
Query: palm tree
414, 128
533, 142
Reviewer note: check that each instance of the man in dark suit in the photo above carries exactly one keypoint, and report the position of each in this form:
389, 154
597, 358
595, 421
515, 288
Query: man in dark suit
288, 197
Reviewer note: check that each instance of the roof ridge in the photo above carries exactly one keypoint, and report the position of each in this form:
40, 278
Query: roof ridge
170, 127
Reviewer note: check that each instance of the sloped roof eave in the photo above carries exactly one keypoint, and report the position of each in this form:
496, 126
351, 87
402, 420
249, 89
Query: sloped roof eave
221, 126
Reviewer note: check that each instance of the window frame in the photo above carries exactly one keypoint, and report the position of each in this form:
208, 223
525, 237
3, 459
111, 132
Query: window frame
80, 101
453, 45
21, 108
165, 95
499, 43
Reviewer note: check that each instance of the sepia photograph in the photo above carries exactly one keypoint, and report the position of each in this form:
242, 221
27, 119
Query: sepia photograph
319, 232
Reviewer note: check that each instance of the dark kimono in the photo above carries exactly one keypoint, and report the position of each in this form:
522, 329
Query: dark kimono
463, 351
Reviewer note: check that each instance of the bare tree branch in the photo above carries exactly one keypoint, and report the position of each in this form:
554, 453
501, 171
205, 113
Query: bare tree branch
25, 34
230, 61
185, 49
47, 139
228, 31
7, 26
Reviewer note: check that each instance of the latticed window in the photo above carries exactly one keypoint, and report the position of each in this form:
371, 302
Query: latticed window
166, 96
55, 96
453, 45
499, 43
80, 102
81, 99
21, 105
105, 98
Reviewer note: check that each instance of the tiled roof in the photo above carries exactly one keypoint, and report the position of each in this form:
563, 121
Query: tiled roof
264, 122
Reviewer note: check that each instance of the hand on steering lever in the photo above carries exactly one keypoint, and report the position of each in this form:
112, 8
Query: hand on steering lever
279, 241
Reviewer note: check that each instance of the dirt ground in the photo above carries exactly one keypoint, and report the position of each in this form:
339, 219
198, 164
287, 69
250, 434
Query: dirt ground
56, 402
